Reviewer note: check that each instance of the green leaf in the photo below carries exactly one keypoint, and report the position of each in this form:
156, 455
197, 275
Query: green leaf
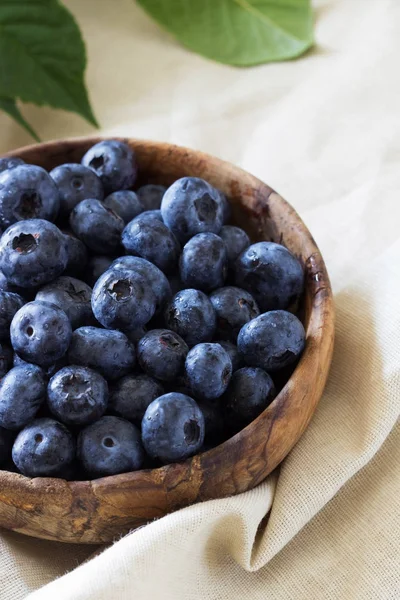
9, 106
238, 32
42, 56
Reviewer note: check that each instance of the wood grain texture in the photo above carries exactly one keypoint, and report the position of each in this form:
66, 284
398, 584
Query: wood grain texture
101, 510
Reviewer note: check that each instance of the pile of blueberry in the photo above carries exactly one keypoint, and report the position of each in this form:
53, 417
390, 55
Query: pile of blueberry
137, 328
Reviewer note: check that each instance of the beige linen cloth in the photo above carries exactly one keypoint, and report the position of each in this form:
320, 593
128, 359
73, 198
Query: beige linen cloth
325, 132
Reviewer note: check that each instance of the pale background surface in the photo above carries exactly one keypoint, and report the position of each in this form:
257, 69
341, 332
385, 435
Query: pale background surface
325, 132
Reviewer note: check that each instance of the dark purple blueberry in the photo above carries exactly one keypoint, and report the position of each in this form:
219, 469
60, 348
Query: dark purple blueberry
49, 371
192, 316
161, 354
191, 206
131, 395
97, 226
153, 241
77, 255
124, 203
27, 192
108, 352
75, 183
172, 428
72, 296
233, 352
122, 299
213, 420
272, 275
272, 341
114, 162
203, 263
43, 449
208, 370
234, 308
77, 395
151, 195
10, 303
149, 216
236, 240
22, 391
110, 446
32, 253
96, 266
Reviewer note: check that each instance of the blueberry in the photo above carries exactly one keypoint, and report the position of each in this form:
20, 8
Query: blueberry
250, 391
134, 335
27, 192
114, 162
208, 370
96, 266
43, 449
191, 206
124, 203
97, 226
272, 341
176, 284
77, 395
32, 253
6, 359
154, 278
148, 216
110, 446
192, 316
6, 442
72, 296
75, 183
108, 352
203, 263
153, 241
271, 274
77, 255
40, 333
49, 371
10, 303
122, 299
233, 352
151, 195
213, 420
173, 428
131, 395
234, 308
161, 354
236, 240
10, 163
22, 391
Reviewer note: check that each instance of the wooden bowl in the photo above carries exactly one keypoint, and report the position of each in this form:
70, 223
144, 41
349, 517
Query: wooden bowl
98, 511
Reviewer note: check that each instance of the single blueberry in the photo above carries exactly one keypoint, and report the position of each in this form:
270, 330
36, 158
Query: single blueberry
77, 395
208, 370
97, 226
77, 255
151, 195
27, 192
148, 216
96, 266
43, 449
151, 274
203, 263
172, 428
161, 354
6, 442
6, 359
108, 352
192, 316
22, 391
10, 162
236, 240
272, 341
191, 206
250, 391
233, 352
153, 241
10, 303
114, 162
32, 253
271, 274
72, 296
234, 308
122, 299
124, 203
40, 333
110, 446
131, 395
75, 183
